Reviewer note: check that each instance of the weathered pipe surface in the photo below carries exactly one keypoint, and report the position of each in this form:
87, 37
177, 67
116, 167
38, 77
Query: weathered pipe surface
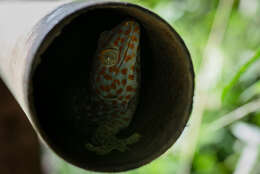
47, 56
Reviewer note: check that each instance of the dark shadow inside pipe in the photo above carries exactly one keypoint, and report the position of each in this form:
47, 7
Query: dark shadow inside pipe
166, 90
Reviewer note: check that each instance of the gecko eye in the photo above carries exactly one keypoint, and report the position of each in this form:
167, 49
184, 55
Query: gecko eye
109, 57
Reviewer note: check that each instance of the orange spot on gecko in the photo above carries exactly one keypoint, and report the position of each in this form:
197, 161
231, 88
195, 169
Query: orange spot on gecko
124, 71
103, 70
104, 88
131, 77
128, 97
120, 98
116, 43
122, 40
131, 45
128, 31
117, 82
134, 38
107, 77
136, 29
133, 67
116, 70
129, 88
111, 69
119, 91
124, 82
107, 88
113, 85
128, 58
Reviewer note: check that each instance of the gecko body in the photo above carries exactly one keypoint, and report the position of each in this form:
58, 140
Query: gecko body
115, 80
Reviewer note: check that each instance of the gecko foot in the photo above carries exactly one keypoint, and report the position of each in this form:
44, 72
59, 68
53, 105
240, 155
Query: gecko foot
114, 144
99, 150
133, 138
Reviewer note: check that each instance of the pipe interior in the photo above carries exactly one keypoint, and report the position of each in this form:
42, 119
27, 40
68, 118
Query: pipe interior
165, 97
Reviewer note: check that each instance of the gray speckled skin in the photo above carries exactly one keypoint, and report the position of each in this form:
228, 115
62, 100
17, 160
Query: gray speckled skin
116, 80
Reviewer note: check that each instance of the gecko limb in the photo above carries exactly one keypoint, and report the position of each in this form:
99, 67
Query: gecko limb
114, 144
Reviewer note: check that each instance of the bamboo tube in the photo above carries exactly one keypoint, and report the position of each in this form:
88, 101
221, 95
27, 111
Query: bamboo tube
46, 53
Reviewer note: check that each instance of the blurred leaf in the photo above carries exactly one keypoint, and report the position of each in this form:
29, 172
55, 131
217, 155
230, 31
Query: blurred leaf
252, 91
240, 72
256, 119
204, 162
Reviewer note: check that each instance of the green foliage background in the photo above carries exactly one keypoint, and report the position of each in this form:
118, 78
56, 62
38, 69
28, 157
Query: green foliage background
224, 41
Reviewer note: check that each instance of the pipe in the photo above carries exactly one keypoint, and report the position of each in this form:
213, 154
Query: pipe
47, 50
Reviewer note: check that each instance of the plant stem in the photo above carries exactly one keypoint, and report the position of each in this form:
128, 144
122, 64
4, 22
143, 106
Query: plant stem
207, 77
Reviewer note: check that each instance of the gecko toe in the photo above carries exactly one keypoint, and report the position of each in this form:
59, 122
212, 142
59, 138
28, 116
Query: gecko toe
133, 138
90, 147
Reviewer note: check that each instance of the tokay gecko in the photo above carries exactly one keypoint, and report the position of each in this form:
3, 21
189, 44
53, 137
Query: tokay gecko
115, 83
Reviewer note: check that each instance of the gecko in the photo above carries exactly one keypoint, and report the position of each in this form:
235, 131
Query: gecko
115, 85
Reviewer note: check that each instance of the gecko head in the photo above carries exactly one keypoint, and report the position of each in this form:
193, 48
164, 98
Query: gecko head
117, 50
115, 45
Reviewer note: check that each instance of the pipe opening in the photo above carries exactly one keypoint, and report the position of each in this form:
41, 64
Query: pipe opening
165, 97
